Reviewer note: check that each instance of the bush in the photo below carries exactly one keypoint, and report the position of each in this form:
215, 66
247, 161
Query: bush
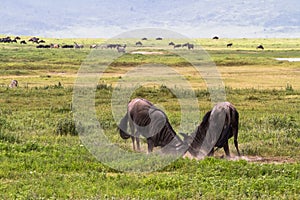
66, 126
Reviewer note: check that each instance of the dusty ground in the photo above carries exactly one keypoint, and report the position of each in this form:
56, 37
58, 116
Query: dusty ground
255, 159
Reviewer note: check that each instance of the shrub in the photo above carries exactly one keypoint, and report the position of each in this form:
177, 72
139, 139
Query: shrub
66, 126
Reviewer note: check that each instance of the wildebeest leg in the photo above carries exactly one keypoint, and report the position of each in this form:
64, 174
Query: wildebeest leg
150, 145
137, 140
226, 149
133, 146
133, 134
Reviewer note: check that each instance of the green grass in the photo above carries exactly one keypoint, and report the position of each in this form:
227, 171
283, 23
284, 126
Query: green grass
39, 162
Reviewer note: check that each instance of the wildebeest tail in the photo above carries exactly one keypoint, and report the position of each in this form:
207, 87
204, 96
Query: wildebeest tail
123, 127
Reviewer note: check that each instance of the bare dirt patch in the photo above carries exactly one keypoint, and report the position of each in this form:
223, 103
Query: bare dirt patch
148, 52
254, 159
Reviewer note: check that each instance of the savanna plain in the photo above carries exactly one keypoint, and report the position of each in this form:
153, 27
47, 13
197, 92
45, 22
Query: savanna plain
43, 157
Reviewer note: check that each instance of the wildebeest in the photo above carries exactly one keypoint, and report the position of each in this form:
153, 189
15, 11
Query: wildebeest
67, 46
151, 122
217, 126
23, 42
121, 49
54, 45
34, 40
144, 38
190, 46
112, 46
93, 46
260, 47
13, 83
177, 46
215, 38
139, 43
158, 38
6, 39
41, 46
78, 46
171, 43
229, 45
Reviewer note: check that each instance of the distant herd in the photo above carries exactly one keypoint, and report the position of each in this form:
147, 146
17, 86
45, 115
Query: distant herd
121, 48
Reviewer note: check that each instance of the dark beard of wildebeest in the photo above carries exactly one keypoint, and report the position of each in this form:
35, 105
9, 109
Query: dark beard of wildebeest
229, 129
152, 123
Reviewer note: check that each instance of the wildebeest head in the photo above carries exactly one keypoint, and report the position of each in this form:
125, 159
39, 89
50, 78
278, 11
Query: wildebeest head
217, 126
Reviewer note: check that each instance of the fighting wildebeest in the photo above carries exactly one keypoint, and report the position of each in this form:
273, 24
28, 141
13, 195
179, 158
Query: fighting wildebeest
260, 47
217, 126
229, 45
151, 122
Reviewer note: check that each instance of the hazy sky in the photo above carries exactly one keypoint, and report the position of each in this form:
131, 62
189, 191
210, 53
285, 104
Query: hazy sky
194, 18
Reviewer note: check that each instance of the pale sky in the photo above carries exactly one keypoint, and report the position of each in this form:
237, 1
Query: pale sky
194, 18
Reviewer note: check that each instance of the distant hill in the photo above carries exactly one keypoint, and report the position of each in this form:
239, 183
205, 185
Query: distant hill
93, 18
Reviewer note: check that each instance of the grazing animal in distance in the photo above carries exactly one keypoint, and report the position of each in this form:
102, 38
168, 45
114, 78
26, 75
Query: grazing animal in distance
177, 46
260, 47
139, 43
216, 128
78, 46
34, 40
149, 121
190, 46
23, 42
13, 83
121, 49
67, 46
229, 45
54, 45
171, 44
215, 38
93, 46
158, 38
144, 38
